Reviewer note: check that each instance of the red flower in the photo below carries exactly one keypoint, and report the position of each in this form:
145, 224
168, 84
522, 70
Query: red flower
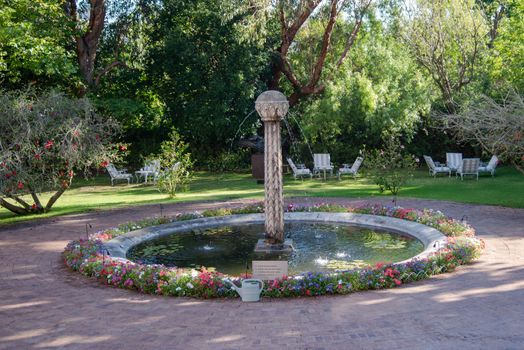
20, 185
104, 164
33, 206
122, 148
397, 282
37, 156
308, 292
48, 144
71, 173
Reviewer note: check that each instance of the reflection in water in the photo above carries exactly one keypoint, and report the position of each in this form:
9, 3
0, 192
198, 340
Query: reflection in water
318, 247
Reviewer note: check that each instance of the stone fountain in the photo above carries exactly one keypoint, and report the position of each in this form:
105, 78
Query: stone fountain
272, 106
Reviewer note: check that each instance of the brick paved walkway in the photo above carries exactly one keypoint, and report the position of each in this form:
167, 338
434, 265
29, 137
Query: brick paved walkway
44, 306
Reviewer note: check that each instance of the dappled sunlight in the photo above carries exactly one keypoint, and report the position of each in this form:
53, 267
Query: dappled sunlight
52, 246
128, 300
375, 301
24, 335
24, 276
447, 297
23, 305
73, 339
227, 338
191, 303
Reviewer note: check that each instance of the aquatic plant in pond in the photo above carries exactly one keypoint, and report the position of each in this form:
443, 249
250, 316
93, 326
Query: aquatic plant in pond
86, 257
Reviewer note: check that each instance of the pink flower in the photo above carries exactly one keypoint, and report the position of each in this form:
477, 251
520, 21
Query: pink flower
48, 144
20, 185
397, 282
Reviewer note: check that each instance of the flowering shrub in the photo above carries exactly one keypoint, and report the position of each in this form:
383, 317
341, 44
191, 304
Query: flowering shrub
88, 258
46, 140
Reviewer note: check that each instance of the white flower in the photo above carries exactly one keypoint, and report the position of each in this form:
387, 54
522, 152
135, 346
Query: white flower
194, 273
178, 289
339, 281
189, 285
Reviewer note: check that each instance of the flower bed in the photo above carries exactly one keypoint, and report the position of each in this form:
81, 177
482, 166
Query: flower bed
86, 257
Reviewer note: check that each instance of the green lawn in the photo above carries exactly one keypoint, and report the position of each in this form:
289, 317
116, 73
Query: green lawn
505, 189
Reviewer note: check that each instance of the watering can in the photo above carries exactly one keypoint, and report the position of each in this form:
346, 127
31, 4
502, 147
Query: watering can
250, 290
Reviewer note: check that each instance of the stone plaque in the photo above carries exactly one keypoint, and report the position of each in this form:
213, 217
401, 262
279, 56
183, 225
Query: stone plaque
269, 269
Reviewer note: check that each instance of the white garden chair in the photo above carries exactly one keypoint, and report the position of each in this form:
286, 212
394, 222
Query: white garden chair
453, 161
347, 170
322, 162
299, 171
433, 169
469, 166
152, 168
116, 174
490, 167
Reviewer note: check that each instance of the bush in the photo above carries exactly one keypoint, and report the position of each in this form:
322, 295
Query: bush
229, 161
45, 140
390, 167
176, 164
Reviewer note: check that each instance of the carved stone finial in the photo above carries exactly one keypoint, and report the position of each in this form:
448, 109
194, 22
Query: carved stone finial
272, 105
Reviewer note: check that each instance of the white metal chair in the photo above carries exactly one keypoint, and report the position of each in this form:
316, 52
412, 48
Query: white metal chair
152, 168
116, 174
346, 170
302, 171
453, 161
469, 166
490, 167
433, 169
322, 162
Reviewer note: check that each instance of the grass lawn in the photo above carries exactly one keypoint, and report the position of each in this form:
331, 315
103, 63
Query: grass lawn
505, 189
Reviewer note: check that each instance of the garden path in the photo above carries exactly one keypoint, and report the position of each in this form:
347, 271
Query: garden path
45, 306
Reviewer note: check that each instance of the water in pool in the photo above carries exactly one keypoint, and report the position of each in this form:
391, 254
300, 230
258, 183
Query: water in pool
318, 247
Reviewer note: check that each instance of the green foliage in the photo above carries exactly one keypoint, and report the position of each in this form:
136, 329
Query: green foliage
390, 168
176, 164
45, 140
205, 75
232, 160
34, 36
447, 39
380, 91
508, 57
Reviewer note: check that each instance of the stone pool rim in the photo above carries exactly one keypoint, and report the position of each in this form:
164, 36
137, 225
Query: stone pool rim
431, 238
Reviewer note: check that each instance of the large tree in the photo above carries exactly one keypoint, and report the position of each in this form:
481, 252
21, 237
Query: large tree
33, 43
296, 16
496, 126
447, 37
204, 74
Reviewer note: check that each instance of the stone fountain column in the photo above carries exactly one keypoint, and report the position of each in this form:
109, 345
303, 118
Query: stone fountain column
272, 106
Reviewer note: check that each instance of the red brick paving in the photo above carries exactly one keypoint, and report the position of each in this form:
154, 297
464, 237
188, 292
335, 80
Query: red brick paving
45, 306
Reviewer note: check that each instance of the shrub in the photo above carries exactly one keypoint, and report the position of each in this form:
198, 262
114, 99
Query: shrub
176, 163
390, 167
47, 139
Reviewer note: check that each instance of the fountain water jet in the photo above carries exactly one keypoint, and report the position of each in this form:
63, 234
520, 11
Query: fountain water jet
272, 106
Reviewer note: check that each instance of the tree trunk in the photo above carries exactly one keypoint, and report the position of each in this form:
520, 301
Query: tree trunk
13, 208
87, 43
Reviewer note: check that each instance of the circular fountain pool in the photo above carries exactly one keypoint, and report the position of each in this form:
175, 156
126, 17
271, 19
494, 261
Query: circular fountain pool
317, 247
323, 241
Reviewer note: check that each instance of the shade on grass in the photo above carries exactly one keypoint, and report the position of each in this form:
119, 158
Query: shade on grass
505, 189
